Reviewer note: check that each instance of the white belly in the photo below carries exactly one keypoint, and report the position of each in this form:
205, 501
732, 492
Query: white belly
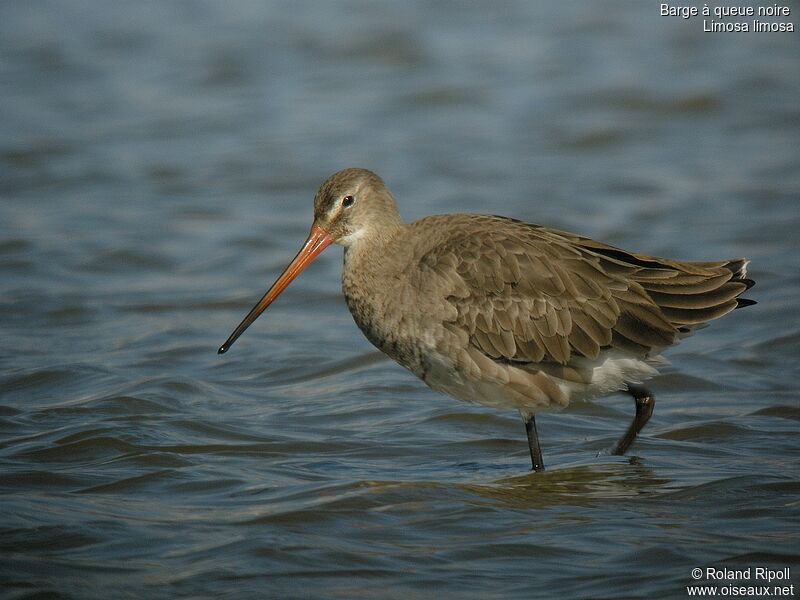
530, 391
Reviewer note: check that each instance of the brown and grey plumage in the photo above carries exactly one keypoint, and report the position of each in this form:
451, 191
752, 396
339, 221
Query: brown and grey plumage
505, 313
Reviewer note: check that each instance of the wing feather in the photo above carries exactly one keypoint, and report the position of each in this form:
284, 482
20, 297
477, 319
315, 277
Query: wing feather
524, 293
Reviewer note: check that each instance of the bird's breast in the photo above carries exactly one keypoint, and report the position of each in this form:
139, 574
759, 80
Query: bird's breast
383, 306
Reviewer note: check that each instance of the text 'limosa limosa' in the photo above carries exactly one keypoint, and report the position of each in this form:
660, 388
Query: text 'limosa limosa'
508, 314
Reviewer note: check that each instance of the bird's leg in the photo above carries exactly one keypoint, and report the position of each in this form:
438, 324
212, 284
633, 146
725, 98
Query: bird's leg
533, 443
645, 401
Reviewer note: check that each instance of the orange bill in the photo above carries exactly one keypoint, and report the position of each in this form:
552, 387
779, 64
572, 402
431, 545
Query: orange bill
317, 241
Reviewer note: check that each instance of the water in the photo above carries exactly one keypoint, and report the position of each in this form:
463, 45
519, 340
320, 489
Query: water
157, 166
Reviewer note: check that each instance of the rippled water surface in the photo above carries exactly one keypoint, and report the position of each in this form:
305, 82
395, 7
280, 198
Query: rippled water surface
157, 166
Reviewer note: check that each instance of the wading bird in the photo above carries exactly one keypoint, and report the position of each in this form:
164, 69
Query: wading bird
504, 313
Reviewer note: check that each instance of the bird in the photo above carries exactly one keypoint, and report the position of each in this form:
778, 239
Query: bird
508, 314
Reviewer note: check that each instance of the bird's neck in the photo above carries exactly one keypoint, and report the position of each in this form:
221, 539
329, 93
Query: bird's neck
372, 283
370, 251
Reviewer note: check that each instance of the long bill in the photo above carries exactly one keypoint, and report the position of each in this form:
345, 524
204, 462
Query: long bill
317, 241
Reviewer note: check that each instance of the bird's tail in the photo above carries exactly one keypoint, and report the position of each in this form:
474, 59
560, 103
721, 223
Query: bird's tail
700, 291
738, 266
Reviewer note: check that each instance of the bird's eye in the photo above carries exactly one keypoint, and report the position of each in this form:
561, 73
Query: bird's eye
347, 201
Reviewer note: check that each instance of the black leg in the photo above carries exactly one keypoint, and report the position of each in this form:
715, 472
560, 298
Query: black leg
645, 402
533, 443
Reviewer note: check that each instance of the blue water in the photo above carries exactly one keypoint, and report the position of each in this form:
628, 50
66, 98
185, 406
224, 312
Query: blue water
157, 167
